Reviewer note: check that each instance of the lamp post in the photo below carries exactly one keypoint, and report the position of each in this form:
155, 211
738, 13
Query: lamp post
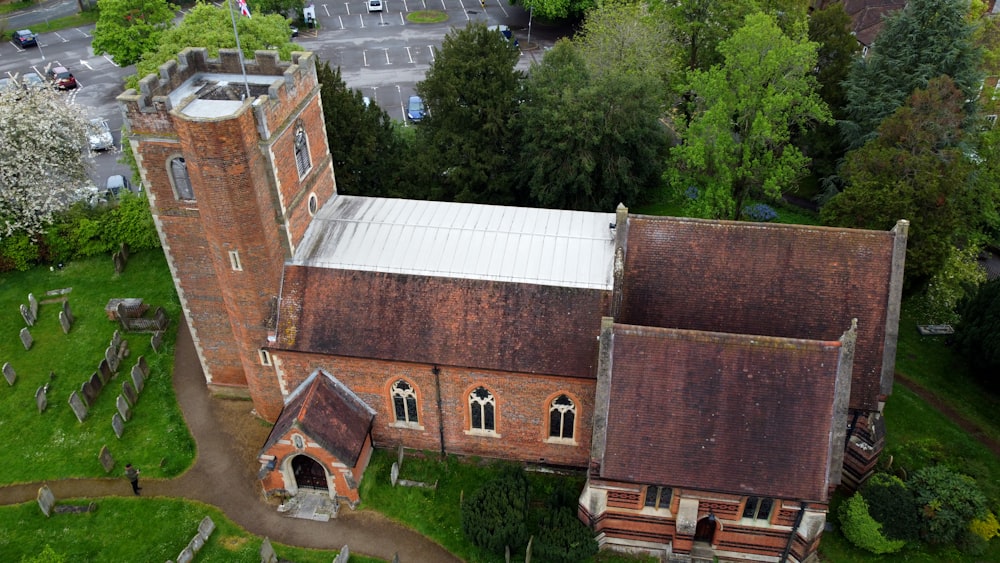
531, 11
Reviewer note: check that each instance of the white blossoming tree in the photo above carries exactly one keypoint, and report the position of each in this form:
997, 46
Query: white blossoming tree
43, 161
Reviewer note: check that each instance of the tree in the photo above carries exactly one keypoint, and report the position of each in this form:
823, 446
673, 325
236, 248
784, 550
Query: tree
699, 26
977, 336
43, 158
892, 505
557, 9
282, 7
210, 26
472, 92
361, 138
562, 538
588, 142
913, 169
126, 29
948, 501
743, 114
924, 40
862, 530
495, 517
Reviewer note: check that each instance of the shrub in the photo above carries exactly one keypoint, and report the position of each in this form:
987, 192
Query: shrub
891, 504
917, 454
132, 224
17, 252
948, 503
562, 538
760, 212
862, 530
986, 527
495, 516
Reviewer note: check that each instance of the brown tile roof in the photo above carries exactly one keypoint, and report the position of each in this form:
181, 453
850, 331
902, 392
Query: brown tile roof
867, 17
329, 414
750, 278
730, 413
482, 324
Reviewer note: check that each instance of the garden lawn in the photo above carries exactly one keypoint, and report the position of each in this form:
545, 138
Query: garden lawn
53, 444
126, 530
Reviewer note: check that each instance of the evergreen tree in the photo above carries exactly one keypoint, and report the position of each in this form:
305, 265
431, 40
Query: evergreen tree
977, 336
495, 517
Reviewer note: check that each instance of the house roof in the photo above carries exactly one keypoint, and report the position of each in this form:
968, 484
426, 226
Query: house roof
328, 413
867, 17
479, 323
740, 414
767, 279
482, 242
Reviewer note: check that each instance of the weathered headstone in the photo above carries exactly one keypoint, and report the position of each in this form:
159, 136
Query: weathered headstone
118, 425
26, 315
394, 473
104, 371
89, 392
64, 322
79, 409
267, 554
123, 351
196, 543
8, 373
119, 261
129, 392
138, 380
41, 398
206, 527
46, 500
186, 556
97, 382
116, 340
143, 366
399, 456
26, 339
68, 312
111, 355
156, 341
33, 305
123, 408
107, 462
343, 556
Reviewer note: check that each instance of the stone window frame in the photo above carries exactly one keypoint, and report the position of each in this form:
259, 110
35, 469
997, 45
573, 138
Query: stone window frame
179, 192
489, 406
313, 205
657, 497
234, 261
265, 357
300, 148
550, 407
413, 392
757, 517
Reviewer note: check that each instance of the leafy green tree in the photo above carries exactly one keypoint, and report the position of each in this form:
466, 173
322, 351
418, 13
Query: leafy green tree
361, 138
862, 530
126, 29
472, 92
892, 505
495, 516
914, 169
977, 336
699, 26
738, 143
282, 7
956, 281
948, 501
556, 9
588, 142
562, 538
830, 28
924, 40
210, 27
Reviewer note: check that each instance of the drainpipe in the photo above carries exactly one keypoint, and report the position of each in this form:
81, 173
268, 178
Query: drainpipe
437, 384
795, 527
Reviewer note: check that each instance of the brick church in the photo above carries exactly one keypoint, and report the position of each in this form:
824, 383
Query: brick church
716, 380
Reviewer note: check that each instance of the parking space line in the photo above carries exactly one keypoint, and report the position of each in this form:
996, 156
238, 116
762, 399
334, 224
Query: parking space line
402, 108
401, 20
443, 7
341, 22
464, 11
82, 32
432, 52
64, 40
387, 56
405, 7
409, 55
424, 2
362, 18
327, 10
364, 53
110, 60
348, 6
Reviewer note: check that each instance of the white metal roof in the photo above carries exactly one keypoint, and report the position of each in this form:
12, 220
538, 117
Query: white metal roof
433, 238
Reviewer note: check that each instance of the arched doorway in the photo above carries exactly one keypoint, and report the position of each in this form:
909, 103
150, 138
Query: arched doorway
705, 529
308, 473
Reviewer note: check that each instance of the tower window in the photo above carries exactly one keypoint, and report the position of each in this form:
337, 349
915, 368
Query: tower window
180, 178
302, 152
234, 261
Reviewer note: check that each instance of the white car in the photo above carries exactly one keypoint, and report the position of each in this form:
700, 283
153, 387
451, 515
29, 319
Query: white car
99, 135
374, 5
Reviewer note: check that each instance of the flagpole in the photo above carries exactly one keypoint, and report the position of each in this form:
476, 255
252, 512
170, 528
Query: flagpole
243, 68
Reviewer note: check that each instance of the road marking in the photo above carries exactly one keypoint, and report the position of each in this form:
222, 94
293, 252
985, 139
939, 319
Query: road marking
405, 7
348, 6
362, 18
401, 20
341, 22
464, 11
387, 56
402, 107
84, 63
443, 7
327, 10
110, 60
364, 53
424, 2
432, 52
409, 55
64, 40
84, 33
504, 9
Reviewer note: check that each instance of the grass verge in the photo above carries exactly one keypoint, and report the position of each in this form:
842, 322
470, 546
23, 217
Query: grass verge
427, 16
77, 20
53, 444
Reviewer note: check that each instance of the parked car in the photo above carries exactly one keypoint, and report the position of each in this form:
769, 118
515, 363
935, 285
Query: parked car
32, 79
366, 101
61, 78
116, 184
505, 32
24, 38
415, 110
99, 135
374, 5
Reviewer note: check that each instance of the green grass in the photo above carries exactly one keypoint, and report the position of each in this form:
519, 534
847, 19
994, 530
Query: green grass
53, 444
80, 19
125, 530
15, 6
427, 16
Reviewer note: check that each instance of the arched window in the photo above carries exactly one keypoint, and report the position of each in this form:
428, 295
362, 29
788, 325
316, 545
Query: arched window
404, 402
179, 175
301, 152
482, 410
562, 415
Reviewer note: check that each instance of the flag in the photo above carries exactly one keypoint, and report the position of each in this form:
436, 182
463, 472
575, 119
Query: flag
244, 9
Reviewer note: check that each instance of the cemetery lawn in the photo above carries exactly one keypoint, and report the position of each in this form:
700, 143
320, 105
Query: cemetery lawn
53, 444
123, 530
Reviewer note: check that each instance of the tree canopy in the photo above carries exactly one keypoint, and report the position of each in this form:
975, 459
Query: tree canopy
557, 9
126, 29
977, 336
43, 158
738, 142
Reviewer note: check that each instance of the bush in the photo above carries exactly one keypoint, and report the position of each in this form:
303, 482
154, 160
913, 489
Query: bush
948, 503
986, 527
495, 516
760, 212
891, 504
862, 530
17, 252
562, 538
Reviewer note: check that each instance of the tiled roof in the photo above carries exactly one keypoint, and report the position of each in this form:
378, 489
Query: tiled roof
484, 324
775, 280
328, 413
867, 17
731, 413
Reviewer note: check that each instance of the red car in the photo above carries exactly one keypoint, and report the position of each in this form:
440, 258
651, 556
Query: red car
61, 78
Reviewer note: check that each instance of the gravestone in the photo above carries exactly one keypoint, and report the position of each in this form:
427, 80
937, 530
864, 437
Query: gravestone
69, 314
344, 556
107, 462
64, 322
156, 341
118, 425
267, 554
399, 456
79, 409
206, 527
41, 398
186, 556
26, 339
143, 367
111, 355
196, 543
123, 409
46, 500
123, 351
395, 557
137, 379
8, 373
394, 473
129, 392
116, 340
26, 315
104, 371
119, 261
33, 305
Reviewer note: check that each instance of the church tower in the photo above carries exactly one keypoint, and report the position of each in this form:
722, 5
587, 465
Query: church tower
234, 164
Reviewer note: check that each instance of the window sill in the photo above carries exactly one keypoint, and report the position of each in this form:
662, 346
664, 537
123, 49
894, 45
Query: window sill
482, 433
561, 441
406, 425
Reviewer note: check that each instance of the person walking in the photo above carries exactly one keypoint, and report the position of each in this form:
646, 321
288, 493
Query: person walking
132, 474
